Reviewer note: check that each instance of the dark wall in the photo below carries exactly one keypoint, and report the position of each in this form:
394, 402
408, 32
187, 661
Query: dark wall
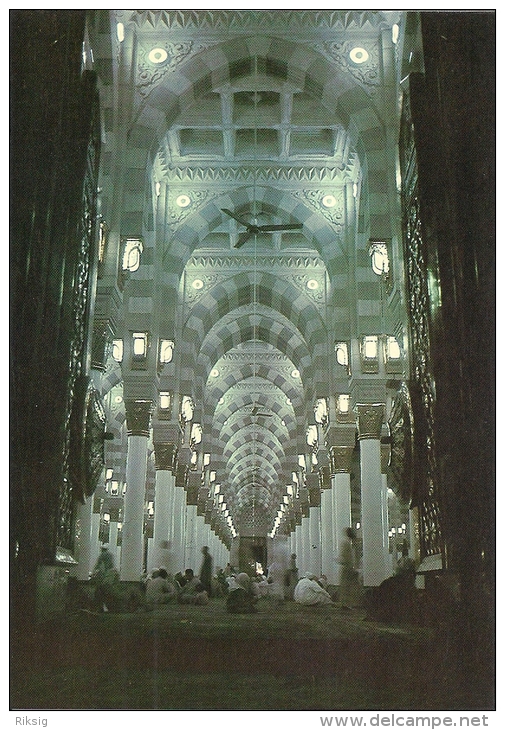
453, 111
50, 120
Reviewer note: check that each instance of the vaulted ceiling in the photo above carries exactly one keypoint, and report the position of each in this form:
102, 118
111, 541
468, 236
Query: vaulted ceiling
263, 118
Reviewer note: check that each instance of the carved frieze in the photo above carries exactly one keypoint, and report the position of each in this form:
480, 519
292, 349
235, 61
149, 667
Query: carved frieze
287, 22
334, 215
370, 417
367, 73
165, 455
340, 459
138, 417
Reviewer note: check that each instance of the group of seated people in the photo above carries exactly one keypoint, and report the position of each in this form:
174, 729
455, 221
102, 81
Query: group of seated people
161, 588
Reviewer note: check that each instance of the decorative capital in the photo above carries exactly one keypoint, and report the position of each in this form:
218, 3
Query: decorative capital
165, 455
340, 459
138, 416
370, 417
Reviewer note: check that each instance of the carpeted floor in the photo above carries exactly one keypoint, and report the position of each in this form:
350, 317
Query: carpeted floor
284, 657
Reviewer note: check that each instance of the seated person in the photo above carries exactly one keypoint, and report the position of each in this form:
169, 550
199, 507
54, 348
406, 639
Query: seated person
241, 599
308, 592
200, 596
188, 590
159, 589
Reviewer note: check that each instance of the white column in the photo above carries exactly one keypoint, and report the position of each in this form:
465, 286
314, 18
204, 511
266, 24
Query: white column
113, 540
298, 548
133, 520
388, 565
328, 564
190, 553
314, 556
305, 544
341, 512
163, 498
372, 514
83, 538
179, 529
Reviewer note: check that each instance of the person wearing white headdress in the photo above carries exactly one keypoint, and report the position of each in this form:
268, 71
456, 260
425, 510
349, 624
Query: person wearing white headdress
308, 592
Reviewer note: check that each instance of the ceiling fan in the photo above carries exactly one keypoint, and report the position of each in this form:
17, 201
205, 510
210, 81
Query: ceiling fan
256, 411
252, 229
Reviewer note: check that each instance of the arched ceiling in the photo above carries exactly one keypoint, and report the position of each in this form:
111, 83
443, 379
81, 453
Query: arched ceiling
276, 117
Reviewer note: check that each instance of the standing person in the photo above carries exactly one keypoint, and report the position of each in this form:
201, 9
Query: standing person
291, 577
349, 585
276, 579
206, 571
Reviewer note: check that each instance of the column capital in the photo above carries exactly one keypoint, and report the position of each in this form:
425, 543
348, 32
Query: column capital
165, 455
340, 459
138, 416
370, 418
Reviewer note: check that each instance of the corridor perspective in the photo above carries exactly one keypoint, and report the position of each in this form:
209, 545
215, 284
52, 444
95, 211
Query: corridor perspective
252, 309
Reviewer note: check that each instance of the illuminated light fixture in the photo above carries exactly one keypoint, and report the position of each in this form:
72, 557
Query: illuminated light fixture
321, 411
196, 433
194, 458
289, 490
139, 344
183, 201
108, 474
343, 403
114, 489
216, 489
294, 476
206, 459
355, 190
150, 508
393, 351
314, 459
120, 32
312, 284
342, 353
212, 476
133, 247
197, 284
379, 257
166, 351
395, 30
158, 55
106, 517
358, 55
295, 373
124, 489
286, 499
312, 435
329, 201
117, 350
221, 498
165, 400
214, 373
288, 401
221, 401
187, 408
158, 189
370, 346
118, 399
301, 461
358, 525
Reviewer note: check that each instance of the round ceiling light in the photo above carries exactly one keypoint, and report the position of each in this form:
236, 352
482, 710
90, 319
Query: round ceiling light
358, 55
214, 373
295, 373
158, 55
197, 284
183, 201
329, 201
312, 284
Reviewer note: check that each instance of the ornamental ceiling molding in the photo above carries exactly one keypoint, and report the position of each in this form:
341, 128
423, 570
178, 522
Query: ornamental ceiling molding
335, 215
248, 20
234, 174
368, 74
198, 199
268, 263
149, 74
